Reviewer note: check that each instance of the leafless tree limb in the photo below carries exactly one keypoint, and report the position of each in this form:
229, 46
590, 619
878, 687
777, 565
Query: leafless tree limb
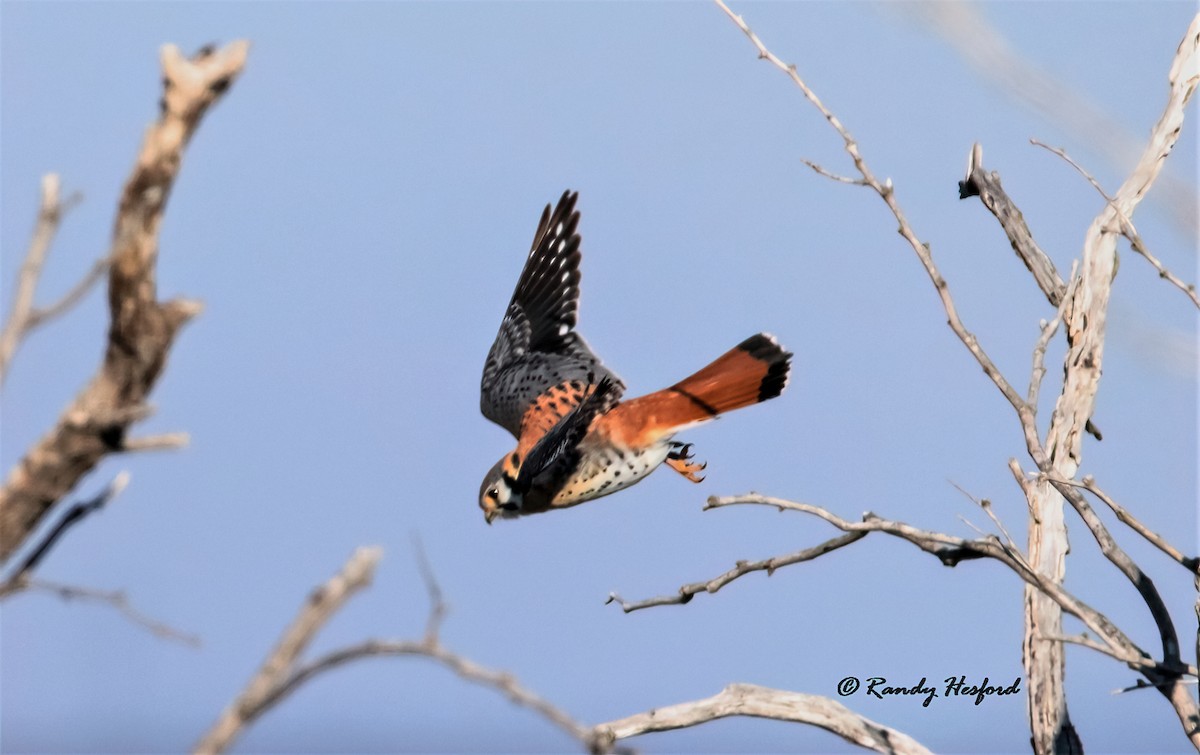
24, 317
742, 568
1038, 373
780, 705
142, 329
986, 185
117, 599
17, 580
1088, 483
1127, 228
1085, 318
282, 674
952, 550
322, 603
965, 27
41, 315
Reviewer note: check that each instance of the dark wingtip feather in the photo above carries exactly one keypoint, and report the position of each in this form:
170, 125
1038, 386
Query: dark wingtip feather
765, 348
548, 290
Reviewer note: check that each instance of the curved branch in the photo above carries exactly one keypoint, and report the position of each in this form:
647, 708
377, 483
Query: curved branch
322, 604
742, 568
778, 705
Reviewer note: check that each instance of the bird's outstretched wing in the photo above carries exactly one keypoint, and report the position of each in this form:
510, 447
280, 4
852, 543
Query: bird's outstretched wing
537, 350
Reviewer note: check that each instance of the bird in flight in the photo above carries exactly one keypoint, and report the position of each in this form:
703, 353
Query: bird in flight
576, 439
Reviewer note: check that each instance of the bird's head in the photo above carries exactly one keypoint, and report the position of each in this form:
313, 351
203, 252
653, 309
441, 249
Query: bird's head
497, 497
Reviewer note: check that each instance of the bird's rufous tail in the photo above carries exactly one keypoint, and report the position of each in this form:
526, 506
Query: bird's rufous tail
751, 372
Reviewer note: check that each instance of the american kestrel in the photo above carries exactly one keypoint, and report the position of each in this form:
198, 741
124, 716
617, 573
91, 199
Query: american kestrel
576, 439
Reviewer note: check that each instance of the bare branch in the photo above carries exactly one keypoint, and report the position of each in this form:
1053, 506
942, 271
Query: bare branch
742, 568
1088, 483
322, 604
965, 27
1127, 228
887, 193
281, 675
834, 176
41, 315
1038, 373
114, 598
1085, 318
164, 442
23, 317
986, 185
73, 516
142, 328
779, 705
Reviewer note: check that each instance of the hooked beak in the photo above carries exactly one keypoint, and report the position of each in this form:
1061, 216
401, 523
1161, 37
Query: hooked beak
489, 516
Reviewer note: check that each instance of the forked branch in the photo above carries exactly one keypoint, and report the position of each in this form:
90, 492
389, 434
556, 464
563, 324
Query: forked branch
142, 328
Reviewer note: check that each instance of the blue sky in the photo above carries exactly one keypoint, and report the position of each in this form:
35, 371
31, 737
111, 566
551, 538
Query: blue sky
354, 215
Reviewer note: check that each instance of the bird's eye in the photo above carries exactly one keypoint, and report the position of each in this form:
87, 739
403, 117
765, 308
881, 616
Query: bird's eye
493, 493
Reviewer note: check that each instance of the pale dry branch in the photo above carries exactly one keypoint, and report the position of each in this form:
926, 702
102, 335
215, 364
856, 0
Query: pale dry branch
779, 705
952, 550
740, 569
283, 673
887, 193
1038, 373
163, 442
986, 506
24, 316
142, 329
1088, 483
1084, 641
1136, 242
1085, 320
322, 604
965, 27
432, 649
41, 315
986, 185
117, 599
828, 174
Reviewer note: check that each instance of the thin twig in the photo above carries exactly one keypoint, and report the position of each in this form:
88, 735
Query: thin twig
41, 315
842, 179
23, 317
1088, 483
116, 599
742, 568
1038, 373
1127, 228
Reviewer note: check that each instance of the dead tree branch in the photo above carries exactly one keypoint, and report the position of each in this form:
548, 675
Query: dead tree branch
779, 705
24, 316
740, 569
1085, 320
966, 28
115, 599
73, 516
1088, 483
282, 673
986, 185
321, 605
1127, 228
142, 329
